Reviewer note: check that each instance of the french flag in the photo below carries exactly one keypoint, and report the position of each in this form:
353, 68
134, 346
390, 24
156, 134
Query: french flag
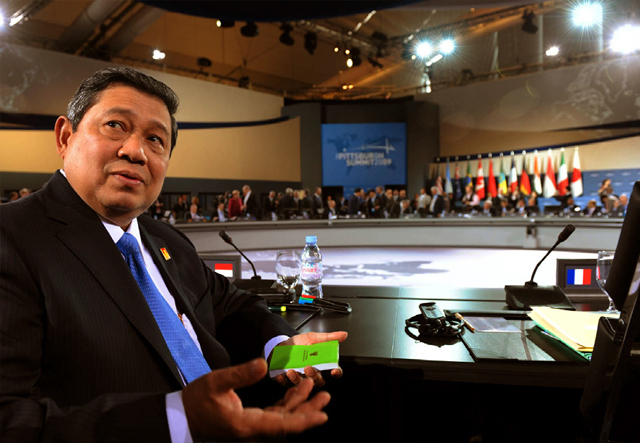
225, 269
579, 277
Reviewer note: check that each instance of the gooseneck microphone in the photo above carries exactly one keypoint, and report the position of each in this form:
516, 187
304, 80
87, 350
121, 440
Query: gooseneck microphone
224, 236
565, 234
523, 297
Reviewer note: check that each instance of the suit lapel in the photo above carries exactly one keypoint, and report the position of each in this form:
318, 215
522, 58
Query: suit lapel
85, 236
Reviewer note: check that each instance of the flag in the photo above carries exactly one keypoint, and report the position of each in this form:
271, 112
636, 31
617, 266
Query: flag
563, 176
576, 176
537, 183
448, 189
549, 178
502, 180
458, 191
491, 184
513, 178
439, 185
469, 179
480, 180
579, 276
525, 185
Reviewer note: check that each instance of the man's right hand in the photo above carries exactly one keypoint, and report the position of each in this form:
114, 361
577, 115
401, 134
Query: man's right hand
215, 412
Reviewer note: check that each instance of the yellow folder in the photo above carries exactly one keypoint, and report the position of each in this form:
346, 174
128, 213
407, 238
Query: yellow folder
577, 329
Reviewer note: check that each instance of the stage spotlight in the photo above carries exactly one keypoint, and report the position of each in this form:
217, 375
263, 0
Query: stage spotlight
225, 23
447, 46
587, 14
626, 39
528, 26
424, 49
249, 30
286, 38
310, 42
354, 58
158, 55
553, 51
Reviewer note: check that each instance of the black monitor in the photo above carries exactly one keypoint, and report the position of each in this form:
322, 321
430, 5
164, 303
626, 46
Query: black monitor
623, 278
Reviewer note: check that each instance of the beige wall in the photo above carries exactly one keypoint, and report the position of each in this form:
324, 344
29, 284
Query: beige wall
268, 152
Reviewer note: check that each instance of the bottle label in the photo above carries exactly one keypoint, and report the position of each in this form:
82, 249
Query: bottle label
311, 271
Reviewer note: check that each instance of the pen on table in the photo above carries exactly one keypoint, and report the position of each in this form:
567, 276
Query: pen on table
466, 323
278, 308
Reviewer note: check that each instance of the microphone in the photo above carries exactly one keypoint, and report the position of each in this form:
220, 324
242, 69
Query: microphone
523, 297
565, 234
224, 236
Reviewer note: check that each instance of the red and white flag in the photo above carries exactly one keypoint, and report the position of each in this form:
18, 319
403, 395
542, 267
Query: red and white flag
537, 183
576, 176
549, 178
513, 177
480, 180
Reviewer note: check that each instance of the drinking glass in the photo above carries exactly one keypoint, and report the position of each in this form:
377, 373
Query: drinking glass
288, 265
605, 258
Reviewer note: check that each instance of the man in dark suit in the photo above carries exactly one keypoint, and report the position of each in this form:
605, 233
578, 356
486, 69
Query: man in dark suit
354, 204
269, 207
250, 205
317, 204
83, 354
436, 205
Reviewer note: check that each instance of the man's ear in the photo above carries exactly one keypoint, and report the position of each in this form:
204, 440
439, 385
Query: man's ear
63, 131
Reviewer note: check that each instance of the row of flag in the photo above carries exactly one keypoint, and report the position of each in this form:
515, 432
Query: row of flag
508, 181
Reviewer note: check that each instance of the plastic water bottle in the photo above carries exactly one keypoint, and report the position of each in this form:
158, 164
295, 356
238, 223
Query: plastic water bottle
311, 272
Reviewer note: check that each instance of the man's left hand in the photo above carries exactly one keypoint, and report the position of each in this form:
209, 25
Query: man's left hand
310, 338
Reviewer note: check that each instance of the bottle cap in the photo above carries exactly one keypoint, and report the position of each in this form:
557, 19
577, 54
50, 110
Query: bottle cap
311, 239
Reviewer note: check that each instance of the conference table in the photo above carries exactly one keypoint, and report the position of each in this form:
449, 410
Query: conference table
393, 377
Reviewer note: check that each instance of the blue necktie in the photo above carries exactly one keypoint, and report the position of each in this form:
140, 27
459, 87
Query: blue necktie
186, 354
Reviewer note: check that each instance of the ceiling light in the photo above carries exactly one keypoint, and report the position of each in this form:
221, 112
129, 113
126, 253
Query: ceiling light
347, 51
424, 49
225, 23
158, 55
552, 51
626, 39
587, 14
286, 38
310, 42
447, 46
435, 59
249, 30
344, 87
528, 26
349, 63
336, 48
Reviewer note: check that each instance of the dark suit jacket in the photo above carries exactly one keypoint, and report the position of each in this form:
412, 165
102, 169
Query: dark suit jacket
438, 206
253, 207
81, 356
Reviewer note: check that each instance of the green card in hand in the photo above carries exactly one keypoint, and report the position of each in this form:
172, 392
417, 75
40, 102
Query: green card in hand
321, 356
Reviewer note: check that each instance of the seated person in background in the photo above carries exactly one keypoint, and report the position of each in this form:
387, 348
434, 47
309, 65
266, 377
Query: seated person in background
470, 199
513, 198
521, 208
592, 209
194, 215
235, 205
424, 200
620, 206
567, 204
221, 214
157, 210
330, 211
288, 206
487, 208
405, 209
504, 208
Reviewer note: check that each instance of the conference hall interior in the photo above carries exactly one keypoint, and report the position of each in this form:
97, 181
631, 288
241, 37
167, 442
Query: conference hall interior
436, 148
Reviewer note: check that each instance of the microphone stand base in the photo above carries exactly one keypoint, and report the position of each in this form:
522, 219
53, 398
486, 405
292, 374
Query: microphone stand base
523, 297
